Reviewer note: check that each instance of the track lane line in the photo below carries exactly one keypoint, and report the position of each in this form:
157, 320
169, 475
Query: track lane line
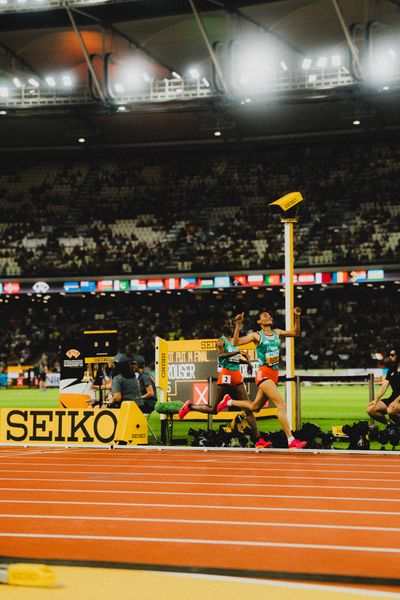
159, 540
200, 522
201, 507
195, 483
197, 494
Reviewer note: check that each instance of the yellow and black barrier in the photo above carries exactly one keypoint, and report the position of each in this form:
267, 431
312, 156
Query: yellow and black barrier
126, 425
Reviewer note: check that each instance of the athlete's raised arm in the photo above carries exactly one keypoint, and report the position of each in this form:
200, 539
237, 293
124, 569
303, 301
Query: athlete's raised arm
246, 339
295, 332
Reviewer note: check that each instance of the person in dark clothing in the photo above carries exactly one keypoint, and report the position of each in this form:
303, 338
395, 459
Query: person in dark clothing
147, 384
124, 384
380, 407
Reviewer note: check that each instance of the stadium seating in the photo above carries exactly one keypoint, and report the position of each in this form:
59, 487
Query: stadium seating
199, 210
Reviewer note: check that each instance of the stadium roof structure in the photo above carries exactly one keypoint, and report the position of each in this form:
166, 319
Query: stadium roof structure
142, 72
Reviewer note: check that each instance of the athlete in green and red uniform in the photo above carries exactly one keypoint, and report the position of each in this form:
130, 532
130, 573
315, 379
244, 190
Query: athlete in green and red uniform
268, 344
230, 379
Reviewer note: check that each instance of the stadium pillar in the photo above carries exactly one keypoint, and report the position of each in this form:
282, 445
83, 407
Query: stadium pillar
289, 320
288, 206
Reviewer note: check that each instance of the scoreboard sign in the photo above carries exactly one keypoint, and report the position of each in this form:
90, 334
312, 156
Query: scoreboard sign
190, 365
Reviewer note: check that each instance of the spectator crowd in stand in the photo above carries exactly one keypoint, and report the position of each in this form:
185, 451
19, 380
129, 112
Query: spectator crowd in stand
200, 210
342, 327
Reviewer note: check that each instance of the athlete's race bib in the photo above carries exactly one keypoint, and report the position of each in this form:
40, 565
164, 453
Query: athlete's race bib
226, 379
271, 358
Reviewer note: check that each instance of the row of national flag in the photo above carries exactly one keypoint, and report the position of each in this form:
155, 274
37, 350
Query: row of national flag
195, 283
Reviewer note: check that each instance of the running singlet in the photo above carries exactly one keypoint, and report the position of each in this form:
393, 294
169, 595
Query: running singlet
268, 350
232, 363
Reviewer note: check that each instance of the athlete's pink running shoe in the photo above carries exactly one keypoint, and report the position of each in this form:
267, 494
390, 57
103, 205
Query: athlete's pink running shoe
297, 444
261, 443
224, 403
185, 409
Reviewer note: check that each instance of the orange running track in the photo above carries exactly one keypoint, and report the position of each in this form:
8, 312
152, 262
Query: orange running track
321, 517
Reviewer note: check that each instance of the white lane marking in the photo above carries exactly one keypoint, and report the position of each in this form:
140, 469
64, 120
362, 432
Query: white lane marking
178, 474
201, 507
198, 522
196, 494
97, 479
118, 538
176, 456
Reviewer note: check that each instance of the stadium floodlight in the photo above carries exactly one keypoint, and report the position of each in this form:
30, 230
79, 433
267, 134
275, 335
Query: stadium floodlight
121, 108
217, 133
356, 122
4, 92
307, 62
17, 82
312, 78
322, 62
254, 65
336, 60
206, 82
194, 73
176, 75
283, 65
33, 82
381, 68
81, 140
51, 82
3, 112
119, 87
67, 81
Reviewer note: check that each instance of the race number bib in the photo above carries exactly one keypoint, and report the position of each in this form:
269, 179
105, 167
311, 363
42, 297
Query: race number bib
226, 379
271, 358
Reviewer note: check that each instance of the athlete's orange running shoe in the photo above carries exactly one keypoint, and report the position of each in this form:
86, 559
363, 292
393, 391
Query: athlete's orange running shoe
297, 444
185, 409
261, 443
224, 403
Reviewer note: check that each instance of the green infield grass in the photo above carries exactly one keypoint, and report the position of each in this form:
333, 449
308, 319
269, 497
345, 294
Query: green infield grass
326, 406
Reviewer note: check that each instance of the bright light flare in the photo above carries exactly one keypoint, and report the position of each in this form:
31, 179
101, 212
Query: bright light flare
306, 64
67, 81
254, 66
194, 73
381, 67
131, 77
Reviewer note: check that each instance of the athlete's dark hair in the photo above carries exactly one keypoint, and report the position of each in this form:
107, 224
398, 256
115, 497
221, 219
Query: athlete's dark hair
227, 327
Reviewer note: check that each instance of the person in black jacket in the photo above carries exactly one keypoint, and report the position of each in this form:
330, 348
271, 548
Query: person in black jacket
380, 407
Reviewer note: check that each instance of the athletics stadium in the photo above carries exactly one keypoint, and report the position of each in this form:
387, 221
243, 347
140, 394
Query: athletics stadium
207, 192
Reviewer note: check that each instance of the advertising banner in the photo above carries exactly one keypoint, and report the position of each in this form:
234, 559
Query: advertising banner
127, 425
190, 365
